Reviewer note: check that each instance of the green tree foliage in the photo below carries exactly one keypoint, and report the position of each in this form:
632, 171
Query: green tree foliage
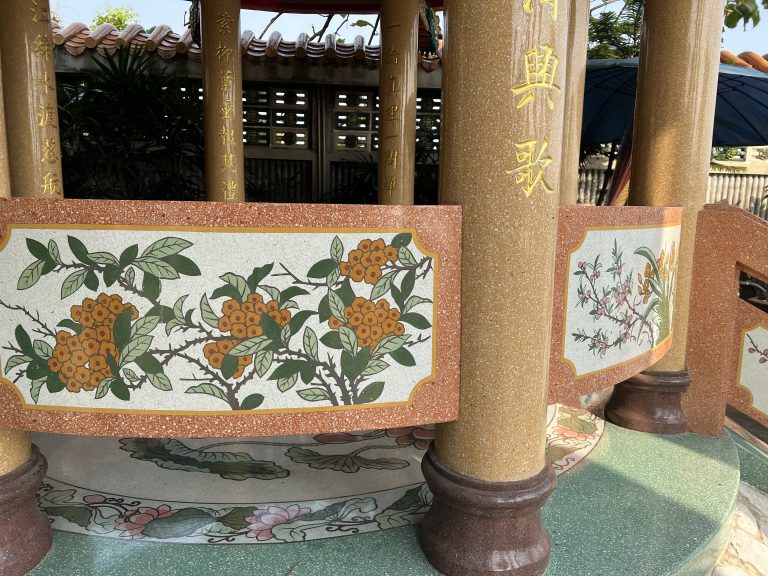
616, 34
119, 16
746, 11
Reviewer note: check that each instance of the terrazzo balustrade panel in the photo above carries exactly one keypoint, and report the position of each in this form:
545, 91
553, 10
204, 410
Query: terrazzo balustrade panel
188, 357
660, 502
614, 289
715, 337
750, 393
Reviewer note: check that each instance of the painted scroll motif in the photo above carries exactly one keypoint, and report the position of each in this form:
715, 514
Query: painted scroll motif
753, 368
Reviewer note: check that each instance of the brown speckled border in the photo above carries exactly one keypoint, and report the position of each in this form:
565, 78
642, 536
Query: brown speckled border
436, 400
728, 240
572, 229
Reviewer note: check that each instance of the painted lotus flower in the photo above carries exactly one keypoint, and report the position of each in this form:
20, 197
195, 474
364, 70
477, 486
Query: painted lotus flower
412, 436
565, 432
134, 522
261, 523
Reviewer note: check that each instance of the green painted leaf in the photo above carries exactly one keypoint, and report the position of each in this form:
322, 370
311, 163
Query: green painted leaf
130, 276
130, 375
144, 326
332, 278
91, 281
156, 267
104, 258
251, 402
337, 249
30, 275
290, 293
77, 514
207, 313
129, 255
165, 313
347, 463
314, 395
346, 292
397, 296
285, 384
178, 308
135, 348
37, 369
324, 309
407, 509
239, 283
120, 390
263, 362
166, 247
290, 305
24, 342
151, 286
47, 267
416, 320
42, 349
348, 339
414, 301
35, 387
298, 320
406, 256
375, 366
182, 265
79, 250
401, 240
409, 280
236, 518
338, 512
337, 305
173, 454
251, 346
112, 363
160, 381
149, 364
390, 344
53, 250
403, 356
272, 329
332, 340
383, 285
208, 389
229, 366
288, 368
122, 329
111, 274
38, 250
18, 360
184, 522
371, 393
53, 384
273, 292
310, 343
258, 275
322, 269
352, 366
104, 387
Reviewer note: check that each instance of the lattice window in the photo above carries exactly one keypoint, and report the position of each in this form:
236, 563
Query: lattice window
276, 117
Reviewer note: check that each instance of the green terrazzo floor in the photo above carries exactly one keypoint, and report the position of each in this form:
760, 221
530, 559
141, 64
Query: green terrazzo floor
639, 505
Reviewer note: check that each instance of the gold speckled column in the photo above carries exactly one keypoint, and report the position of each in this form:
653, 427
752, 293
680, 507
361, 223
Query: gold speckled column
501, 149
576, 74
15, 450
5, 176
223, 103
397, 100
675, 112
29, 80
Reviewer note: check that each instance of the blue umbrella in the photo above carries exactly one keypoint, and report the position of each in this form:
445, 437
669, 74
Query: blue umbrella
741, 112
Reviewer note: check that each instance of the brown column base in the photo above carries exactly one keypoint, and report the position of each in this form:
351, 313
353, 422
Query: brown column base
25, 532
650, 402
476, 527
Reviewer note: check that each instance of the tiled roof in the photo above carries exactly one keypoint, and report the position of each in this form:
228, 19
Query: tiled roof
77, 38
745, 59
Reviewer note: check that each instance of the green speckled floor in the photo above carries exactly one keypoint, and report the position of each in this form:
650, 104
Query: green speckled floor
638, 505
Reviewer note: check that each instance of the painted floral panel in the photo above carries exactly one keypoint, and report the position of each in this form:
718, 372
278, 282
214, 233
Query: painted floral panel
753, 371
620, 295
259, 490
201, 321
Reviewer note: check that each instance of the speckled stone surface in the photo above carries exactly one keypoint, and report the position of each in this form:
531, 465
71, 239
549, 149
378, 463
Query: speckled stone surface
436, 400
574, 223
674, 118
15, 449
640, 505
713, 345
754, 463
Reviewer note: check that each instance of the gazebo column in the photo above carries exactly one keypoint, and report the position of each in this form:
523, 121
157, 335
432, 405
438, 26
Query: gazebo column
501, 149
222, 100
30, 165
576, 74
397, 100
674, 118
